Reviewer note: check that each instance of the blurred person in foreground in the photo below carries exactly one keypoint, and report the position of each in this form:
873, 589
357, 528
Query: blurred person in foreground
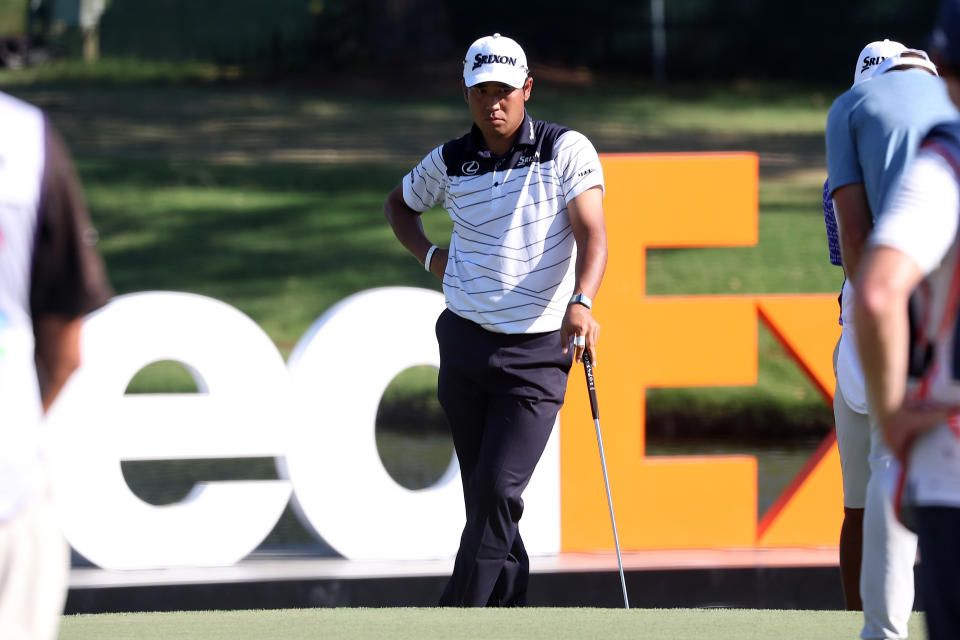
50, 277
906, 313
525, 261
873, 131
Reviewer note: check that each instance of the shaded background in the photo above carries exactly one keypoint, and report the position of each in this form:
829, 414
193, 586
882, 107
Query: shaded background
704, 39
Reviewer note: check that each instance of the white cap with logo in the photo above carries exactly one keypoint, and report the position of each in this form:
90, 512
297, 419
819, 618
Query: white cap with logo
495, 58
871, 57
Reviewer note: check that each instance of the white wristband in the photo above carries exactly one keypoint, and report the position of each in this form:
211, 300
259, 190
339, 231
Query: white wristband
426, 261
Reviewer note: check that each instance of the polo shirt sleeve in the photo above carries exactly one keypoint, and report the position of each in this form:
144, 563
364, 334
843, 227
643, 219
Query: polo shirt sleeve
830, 220
578, 164
842, 164
425, 186
921, 219
68, 276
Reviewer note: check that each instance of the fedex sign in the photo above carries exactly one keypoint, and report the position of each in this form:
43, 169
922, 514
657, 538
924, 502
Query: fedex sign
316, 413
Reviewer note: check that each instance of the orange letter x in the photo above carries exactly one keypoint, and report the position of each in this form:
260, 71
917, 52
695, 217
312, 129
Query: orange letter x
671, 201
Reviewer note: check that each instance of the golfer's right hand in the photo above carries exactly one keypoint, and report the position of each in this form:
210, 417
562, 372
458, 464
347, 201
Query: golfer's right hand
580, 326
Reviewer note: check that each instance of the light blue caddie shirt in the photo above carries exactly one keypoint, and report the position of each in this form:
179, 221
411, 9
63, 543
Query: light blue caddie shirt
874, 129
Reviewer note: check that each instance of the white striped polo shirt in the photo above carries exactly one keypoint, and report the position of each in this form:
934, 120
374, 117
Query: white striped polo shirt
511, 266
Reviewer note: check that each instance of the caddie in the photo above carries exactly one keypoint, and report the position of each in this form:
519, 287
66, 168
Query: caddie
520, 274
51, 276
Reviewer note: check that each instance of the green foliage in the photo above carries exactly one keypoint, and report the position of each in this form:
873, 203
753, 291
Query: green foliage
228, 31
13, 17
417, 39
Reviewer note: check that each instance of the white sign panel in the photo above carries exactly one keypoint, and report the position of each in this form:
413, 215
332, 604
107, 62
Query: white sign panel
317, 419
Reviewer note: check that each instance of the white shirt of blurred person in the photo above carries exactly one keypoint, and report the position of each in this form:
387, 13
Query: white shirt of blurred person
50, 277
906, 314
873, 131
525, 259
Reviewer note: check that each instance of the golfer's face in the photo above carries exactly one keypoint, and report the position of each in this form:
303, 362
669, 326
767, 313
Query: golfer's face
497, 108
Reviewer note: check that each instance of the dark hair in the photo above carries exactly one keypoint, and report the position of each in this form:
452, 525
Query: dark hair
945, 39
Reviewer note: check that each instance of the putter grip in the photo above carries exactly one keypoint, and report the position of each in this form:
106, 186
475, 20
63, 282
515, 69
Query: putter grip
591, 386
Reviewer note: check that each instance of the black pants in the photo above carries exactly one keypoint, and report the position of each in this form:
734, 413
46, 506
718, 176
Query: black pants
938, 531
501, 394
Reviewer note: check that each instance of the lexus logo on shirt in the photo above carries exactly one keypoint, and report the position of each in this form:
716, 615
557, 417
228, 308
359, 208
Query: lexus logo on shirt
470, 168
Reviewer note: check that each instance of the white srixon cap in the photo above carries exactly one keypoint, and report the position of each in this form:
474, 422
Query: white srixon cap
871, 57
917, 58
495, 58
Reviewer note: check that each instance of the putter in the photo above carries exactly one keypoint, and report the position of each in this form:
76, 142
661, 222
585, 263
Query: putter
595, 410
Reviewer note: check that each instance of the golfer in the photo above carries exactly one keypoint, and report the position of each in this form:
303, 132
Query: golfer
524, 263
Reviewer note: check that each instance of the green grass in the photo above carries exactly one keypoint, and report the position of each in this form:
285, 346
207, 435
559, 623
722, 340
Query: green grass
116, 72
746, 108
416, 623
270, 198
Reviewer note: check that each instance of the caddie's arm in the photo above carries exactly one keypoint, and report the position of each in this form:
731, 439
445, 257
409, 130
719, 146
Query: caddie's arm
854, 223
590, 233
57, 353
68, 276
883, 291
408, 228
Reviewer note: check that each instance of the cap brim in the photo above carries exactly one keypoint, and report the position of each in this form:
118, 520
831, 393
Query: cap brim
515, 79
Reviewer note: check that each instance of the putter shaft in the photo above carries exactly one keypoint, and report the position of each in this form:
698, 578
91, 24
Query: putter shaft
595, 410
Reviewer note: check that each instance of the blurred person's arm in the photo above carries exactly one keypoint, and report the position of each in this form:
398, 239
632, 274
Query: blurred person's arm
911, 239
68, 276
57, 353
883, 334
